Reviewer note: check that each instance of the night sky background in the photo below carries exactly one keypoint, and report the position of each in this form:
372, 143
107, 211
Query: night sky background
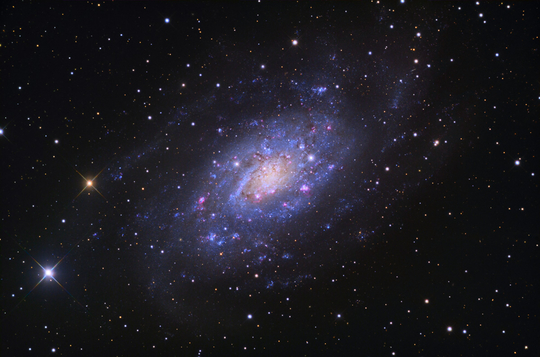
270, 178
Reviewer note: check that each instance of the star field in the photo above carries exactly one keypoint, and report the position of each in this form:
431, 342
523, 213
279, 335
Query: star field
264, 178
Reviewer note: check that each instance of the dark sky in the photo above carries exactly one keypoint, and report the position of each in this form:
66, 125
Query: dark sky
292, 178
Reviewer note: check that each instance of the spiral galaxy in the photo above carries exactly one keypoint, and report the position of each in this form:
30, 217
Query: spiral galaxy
260, 186
271, 174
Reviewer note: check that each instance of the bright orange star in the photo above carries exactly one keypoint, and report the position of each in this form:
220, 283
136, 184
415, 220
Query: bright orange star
89, 183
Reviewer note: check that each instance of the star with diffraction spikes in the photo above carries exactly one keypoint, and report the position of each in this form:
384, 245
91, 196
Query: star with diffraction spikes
3, 134
90, 184
48, 273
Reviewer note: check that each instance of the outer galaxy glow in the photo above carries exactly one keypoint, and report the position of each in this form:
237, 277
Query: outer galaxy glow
244, 185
